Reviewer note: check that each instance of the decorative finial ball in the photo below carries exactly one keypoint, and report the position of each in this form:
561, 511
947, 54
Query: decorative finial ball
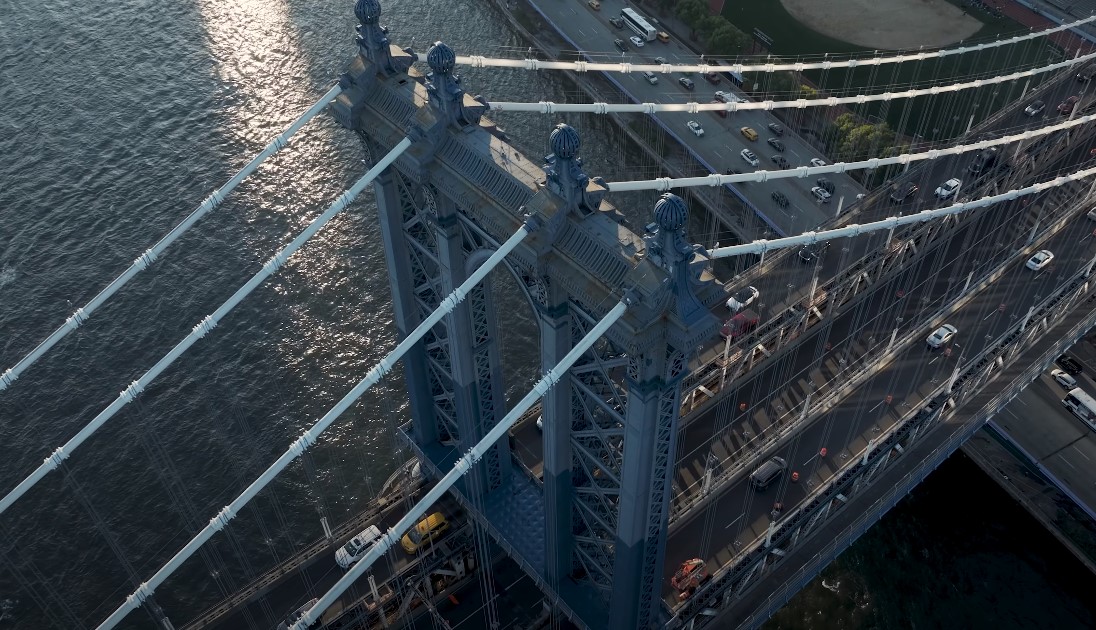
670, 212
441, 58
565, 141
368, 11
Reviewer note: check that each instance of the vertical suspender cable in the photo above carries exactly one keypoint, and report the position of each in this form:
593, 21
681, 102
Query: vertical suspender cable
202, 328
143, 261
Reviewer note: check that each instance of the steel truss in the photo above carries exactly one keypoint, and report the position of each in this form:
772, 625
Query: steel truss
830, 499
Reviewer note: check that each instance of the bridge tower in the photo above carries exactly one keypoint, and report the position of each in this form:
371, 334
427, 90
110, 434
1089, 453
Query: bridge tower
593, 535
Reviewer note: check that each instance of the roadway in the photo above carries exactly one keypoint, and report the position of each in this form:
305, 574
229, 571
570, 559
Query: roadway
1058, 442
741, 514
721, 143
315, 578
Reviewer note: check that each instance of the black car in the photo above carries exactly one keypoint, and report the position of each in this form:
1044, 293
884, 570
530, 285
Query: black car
903, 192
776, 144
982, 161
825, 185
776, 128
617, 22
686, 83
1071, 365
780, 161
810, 253
619, 43
780, 198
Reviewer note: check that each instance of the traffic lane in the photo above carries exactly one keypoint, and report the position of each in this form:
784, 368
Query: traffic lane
318, 577
1039, 422
743, 513
735, 505
877, 316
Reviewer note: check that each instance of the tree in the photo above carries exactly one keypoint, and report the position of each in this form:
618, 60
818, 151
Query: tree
710, 24
727, 40
856, 140
691, 12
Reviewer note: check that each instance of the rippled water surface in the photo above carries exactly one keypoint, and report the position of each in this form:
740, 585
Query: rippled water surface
116, 120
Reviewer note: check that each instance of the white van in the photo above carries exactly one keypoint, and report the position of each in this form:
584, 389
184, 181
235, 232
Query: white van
353, 550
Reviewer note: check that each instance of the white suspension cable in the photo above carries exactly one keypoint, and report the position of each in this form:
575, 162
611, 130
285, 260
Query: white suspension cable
692, 107
309, 437
807, 238
202, 328
477, 61
149, 256
462, 466
716, 179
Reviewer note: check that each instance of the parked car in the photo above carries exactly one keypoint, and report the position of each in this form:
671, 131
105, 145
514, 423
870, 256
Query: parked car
296, 615
1035, 108
821, 194
948, 188
424, 532
686, 83
356, 547
903, 192
983, 161
621, 46
776, 128
1069, 364
941, 336
695, 127
818, 162
780, 161
711, 77
1040, 260
780, 198
1064, 379
825, 185
748, 133
1066, 106
749, 156
742, 298
618, 22
739, 325
636, 41
776, 144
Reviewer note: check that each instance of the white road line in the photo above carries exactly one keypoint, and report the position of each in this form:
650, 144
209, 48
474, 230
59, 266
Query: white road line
1080, 453
734, 521
1066, 461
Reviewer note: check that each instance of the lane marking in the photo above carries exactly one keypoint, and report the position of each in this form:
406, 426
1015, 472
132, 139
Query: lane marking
1080, 453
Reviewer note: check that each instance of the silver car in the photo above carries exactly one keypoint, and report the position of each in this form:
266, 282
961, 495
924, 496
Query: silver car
941, 336
742, 299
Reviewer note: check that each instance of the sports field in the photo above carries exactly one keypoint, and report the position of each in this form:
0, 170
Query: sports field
886, 25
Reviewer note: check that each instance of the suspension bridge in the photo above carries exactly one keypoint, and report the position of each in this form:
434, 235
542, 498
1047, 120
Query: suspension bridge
639, 448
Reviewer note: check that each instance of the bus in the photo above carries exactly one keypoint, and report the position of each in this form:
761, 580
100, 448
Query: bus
639, 24
1082, 405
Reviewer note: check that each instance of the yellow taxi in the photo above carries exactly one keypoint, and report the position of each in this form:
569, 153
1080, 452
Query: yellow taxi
424, 532
749, 133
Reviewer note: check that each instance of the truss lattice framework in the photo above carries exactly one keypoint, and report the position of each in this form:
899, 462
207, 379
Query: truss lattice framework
597, 447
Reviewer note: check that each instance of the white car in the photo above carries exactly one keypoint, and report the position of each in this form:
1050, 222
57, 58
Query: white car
941, 336
818, 162
697, 130
948, 188
820, 194
356, 547
1064, 379
742, 299
1040, 260
1035, 108
636, 41
749, 156
728, 97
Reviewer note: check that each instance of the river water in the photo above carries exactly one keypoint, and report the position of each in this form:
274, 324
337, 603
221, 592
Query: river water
116, 120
